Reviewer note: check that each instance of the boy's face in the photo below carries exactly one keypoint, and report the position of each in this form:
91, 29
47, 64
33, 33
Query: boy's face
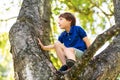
63, 23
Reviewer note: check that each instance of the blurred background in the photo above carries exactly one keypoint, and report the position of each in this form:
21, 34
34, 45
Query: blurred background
95, 16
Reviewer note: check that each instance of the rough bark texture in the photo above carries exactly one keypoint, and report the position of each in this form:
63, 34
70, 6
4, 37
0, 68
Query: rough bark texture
106, 65
117, 11
31, 63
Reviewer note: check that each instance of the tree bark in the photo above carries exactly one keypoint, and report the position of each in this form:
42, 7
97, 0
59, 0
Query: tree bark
31, 63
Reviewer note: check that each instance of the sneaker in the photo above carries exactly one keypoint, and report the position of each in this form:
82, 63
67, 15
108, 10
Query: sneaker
70, 62
62, 69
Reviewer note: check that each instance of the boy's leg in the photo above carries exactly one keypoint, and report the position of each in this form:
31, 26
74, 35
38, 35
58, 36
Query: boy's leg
77, 54
59, 48
71, 59
70, 53
62, 51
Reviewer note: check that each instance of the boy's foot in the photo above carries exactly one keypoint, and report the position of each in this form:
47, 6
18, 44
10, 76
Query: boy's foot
62, 69
70, 62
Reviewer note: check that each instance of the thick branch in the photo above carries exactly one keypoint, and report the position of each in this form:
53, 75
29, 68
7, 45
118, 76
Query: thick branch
100, 40
106, 65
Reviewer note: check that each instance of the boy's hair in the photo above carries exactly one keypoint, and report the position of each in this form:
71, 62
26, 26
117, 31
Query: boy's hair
70, 17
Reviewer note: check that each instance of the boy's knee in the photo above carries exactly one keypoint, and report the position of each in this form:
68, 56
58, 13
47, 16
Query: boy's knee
71, 49
57, 43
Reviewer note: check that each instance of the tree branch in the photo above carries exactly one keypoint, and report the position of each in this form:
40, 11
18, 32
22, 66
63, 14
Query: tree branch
8, 18
100, 40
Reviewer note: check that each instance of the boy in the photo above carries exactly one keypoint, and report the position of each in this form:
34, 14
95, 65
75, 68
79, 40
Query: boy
71, 43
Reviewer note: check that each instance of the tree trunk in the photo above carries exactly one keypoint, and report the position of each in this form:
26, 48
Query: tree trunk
31, 63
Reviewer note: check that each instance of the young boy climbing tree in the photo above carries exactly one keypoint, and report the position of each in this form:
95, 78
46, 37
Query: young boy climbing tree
72, 42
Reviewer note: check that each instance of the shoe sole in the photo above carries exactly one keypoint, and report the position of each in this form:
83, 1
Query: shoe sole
70, 62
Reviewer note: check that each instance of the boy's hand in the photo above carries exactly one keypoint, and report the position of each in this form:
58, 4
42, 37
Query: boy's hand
44, 47
39, 42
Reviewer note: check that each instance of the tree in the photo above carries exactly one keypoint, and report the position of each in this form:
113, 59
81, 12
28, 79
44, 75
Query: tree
31, 63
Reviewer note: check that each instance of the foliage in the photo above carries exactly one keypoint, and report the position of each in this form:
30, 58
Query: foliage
93, 16
6, 66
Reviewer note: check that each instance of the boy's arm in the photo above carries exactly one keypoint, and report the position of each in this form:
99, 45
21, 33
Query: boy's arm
87, 42
49, 47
